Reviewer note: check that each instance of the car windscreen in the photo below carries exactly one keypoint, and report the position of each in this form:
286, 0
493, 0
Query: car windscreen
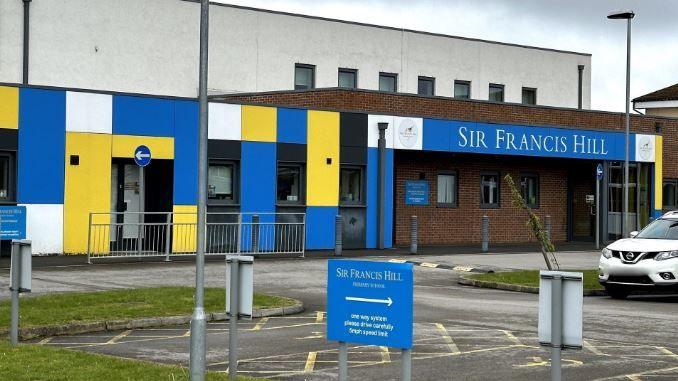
660, 229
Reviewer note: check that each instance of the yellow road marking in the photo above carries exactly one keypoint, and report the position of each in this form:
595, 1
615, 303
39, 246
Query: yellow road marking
310, 362
45, 341
448, 339
187, 334
633, 377
462, 268
397, 260
665, 351
537, 361
119, 337
385, 355
593, 349
428, 264
315, 335
319, 316
260, 324
511, 337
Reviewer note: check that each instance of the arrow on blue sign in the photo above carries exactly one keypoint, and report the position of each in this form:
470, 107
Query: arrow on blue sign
388, 301
142, 156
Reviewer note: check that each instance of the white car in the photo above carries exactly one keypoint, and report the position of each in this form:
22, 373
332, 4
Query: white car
648, 261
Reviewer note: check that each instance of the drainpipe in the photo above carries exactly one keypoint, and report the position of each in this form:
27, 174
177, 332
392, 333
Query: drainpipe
580, 86
381, 185
25, 46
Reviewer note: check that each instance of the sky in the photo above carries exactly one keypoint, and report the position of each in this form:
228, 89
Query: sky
575, 25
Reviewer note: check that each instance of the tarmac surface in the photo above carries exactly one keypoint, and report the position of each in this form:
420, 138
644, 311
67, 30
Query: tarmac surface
460, 332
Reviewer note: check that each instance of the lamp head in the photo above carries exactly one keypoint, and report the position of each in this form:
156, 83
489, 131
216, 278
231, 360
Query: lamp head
621, 15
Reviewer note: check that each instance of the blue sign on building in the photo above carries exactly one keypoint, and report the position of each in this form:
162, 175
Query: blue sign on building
370, 303
12, 222
416, 192
142, 156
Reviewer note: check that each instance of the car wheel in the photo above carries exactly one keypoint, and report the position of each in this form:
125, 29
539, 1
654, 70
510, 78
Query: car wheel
617, 293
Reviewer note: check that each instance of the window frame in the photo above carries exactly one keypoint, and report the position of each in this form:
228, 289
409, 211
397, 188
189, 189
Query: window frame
455, 202
363, 186
496, 205
461, 82
522, 95
390, 75
496, 85
235, 181
347, 70
432, 80
302, 183
304, 66
11, 177
673, 182
535, 176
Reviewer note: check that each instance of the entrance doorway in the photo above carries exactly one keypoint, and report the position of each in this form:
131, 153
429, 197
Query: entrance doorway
639, 198
581, 201
130, 197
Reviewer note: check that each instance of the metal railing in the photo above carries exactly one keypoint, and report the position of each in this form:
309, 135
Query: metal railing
134, 234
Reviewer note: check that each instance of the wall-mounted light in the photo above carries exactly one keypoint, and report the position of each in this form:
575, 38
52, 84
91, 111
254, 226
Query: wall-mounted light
658, 127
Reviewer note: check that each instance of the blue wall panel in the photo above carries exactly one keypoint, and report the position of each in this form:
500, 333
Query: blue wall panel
320, 227
388, 204
372, 177
143, 116
292, 125
42, 144
436, 135
258, 177
185, 153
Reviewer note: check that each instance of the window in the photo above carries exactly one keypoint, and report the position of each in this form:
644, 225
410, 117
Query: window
304, 77
289, 188
5, 168
388, 82
529, 188
496, 93
348, 78
489, 190
670, 192
529, 96
447, 189
221, 179
351, 185
426, 86
462, 89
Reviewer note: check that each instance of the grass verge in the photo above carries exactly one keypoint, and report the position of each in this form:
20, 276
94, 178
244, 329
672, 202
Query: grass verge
56, 309
30, 362
531, 278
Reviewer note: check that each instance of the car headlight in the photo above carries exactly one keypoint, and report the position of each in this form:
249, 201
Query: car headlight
607, 253
664, 255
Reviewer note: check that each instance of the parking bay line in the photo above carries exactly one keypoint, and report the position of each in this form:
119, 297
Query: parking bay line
119, 337
448, 339
260, 324
310, 362
593, 349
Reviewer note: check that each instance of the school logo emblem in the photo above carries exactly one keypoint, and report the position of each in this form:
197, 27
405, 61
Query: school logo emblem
645, 148
408, 132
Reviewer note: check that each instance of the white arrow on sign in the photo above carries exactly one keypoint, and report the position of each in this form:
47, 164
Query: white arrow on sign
388, 301
140, 155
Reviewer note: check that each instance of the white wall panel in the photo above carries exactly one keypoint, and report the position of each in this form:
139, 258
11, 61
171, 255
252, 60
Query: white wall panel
373, 130
408, 133
45, 227
89, 112
225, 121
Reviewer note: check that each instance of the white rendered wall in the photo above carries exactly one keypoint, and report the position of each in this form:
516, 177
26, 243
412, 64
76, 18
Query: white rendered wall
45, 228
151, 46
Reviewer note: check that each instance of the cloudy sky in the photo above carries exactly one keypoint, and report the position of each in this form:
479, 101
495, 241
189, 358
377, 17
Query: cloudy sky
577, 25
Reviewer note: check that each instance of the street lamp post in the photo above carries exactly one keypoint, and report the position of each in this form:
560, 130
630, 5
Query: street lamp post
626, 15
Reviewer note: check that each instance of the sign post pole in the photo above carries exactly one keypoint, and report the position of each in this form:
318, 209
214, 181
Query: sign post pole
599, 177
233, 320
556, 326
15, 285
407, 364
343, 361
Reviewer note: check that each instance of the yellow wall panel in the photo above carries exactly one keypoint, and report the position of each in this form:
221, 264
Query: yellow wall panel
658, 173
183, 231
323, 143
87, 189
259, 123
161, 148
9, 107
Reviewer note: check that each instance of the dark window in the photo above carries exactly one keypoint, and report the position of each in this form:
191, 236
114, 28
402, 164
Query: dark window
447, 189
529, 96
496, 93
489, 190
6, 174
670, 194
351, 181
290, 184
529, 188
426, 86
221, 181
304, 77
348, 78
388, 82
462, 89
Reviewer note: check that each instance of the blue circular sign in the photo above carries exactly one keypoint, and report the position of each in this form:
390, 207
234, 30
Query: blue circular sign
142, 156
599, 172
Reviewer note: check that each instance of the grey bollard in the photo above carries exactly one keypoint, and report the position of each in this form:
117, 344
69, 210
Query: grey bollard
414, 235
485, 231
338, 235
255, 233
547, 226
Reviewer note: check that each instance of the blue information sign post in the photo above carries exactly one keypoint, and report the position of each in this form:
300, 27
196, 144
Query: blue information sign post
12, 222
371, 303
416, 192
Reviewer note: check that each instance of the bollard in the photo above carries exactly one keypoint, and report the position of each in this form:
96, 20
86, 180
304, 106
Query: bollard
20, 281
338, 235
255, 233
485, 231
414, 227
547, 226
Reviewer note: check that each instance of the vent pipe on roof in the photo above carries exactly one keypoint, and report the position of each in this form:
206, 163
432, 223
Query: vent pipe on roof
25, 44
580, 86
